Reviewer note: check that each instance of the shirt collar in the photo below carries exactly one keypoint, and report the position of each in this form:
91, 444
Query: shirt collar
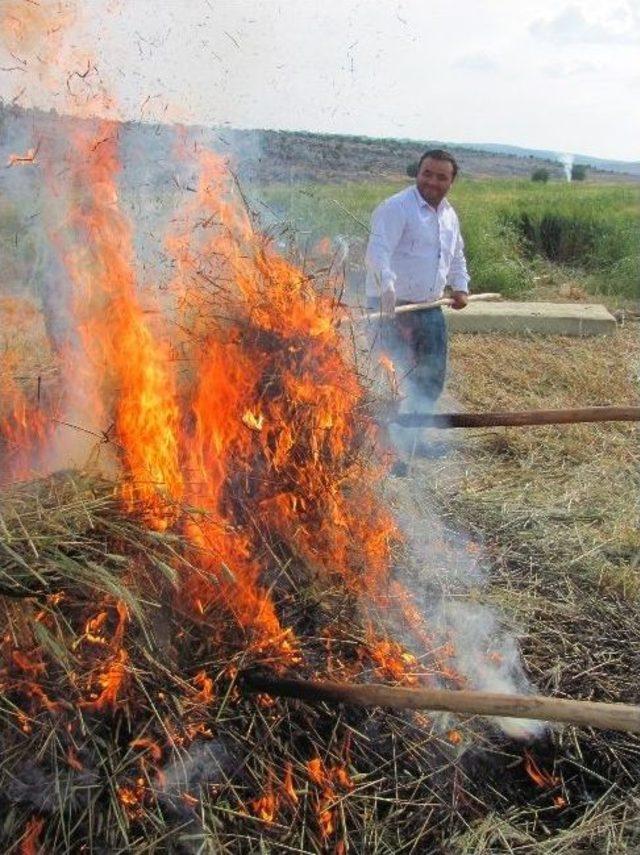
422, 203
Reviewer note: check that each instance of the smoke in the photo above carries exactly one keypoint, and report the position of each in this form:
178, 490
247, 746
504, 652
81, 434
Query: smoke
567, 164
204, 763
34, 201
41, 788
341, 254
38, 787
446, 569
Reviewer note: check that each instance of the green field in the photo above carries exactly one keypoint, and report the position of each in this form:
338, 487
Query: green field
522, 239
516, 232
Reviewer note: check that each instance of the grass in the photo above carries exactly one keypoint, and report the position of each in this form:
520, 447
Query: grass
172, 767
512, 228
557, 511
592, 228
572, 493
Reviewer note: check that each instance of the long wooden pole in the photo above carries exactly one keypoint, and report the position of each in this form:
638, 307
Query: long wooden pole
517, 419
422, 307
622, 717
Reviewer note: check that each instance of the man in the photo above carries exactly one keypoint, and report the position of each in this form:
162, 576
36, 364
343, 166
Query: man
415, 250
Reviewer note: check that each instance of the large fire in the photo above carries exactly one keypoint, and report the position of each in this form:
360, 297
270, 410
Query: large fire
253, 451
263, 432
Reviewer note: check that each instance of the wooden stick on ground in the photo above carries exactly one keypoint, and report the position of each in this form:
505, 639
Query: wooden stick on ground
622, 717
517, 419
422, 307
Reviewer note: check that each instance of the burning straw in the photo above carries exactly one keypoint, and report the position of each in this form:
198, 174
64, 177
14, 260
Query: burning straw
242, 525
132, 603
122, 721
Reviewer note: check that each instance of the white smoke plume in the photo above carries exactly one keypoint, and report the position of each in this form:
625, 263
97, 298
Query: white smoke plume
446, 568
567, 164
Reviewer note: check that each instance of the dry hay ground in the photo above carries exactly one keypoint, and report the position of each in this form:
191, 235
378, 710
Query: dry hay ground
558, 511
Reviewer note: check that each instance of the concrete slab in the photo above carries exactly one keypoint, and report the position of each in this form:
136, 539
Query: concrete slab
579, 319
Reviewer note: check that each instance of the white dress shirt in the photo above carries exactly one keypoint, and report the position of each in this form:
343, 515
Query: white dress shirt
415, 249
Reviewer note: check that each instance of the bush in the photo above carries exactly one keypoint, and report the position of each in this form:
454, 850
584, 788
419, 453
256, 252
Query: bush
593, 230
540, 174
492, 249
578, 172
412, 169
565, 240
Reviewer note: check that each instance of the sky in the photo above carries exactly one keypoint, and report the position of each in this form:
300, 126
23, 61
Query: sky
544, 74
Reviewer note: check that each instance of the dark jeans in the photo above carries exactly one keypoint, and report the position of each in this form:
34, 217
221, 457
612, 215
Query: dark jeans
417, 343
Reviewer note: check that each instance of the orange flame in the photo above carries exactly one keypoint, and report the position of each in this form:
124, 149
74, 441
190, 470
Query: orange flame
205, 685
539, 776
93, 627
23, 431
111, 681
391, 374
115, 332
30, 843
329, 779
132, 798
288, 785
144, 744
264, 435
393, 660
542, 778
266, 806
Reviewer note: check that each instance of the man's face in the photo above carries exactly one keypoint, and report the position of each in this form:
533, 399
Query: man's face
434, 179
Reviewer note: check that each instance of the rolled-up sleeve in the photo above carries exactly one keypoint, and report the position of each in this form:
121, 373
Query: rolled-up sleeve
458, 277
387, 224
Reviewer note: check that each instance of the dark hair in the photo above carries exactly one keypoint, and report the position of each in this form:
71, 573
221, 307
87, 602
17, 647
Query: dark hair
440, 154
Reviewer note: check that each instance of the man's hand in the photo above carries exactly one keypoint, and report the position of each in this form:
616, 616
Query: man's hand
388, 302
460, 299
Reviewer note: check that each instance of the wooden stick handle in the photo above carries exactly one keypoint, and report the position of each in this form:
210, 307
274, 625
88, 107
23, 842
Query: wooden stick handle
622, 717
517, 419
422, 307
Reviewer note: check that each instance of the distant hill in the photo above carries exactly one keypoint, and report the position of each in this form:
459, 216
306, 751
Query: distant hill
628, 166
300, 155
264, 156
